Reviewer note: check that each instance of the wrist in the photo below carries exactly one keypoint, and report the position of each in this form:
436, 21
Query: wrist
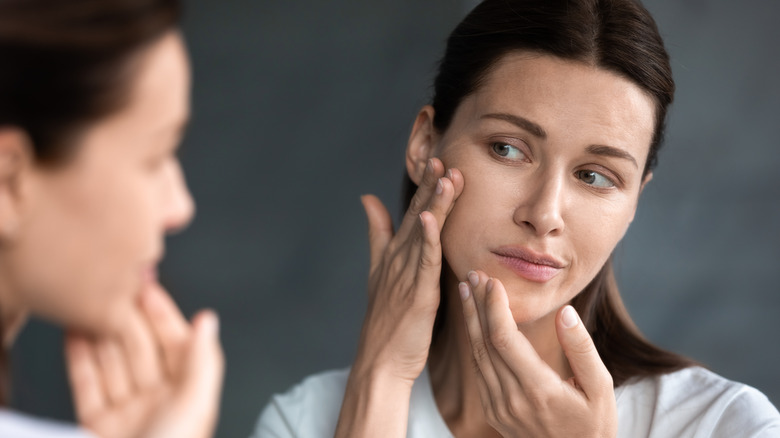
375, 399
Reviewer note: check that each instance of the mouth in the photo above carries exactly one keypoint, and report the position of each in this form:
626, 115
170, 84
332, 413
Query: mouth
149, 274
532, 266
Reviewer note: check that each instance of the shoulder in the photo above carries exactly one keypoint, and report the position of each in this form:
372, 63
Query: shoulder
13, 424
694, 402
310, 408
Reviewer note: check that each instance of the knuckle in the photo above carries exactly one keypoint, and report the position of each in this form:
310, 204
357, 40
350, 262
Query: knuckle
480, 352
499, 338
516, 406
416, 206
583, 346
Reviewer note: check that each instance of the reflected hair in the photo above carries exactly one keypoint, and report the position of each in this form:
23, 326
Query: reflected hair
65, 64
619, 36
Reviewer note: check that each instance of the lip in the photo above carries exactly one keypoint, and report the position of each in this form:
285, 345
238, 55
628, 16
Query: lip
526, 263
149, 274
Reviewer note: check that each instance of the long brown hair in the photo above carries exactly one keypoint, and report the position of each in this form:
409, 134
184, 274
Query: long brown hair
65, 64
616, 35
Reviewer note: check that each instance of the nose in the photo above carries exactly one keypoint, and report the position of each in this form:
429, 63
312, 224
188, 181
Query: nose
179, 205
541, 205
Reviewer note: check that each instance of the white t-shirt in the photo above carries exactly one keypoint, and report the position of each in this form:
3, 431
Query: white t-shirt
16, 425
691, 403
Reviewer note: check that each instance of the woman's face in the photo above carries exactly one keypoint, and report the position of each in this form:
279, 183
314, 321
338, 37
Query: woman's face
552, 153
94, 228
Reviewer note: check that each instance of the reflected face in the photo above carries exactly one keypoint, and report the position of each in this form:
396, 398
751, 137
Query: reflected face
552, 153
95, 227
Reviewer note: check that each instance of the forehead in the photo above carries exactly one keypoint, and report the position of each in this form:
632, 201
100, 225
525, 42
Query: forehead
161, 86
566, 98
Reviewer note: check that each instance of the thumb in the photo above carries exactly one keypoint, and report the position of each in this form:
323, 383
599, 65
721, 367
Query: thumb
201, 385
380, 227
590, 373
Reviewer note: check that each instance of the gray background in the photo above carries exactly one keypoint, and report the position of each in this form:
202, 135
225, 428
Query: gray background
300, 106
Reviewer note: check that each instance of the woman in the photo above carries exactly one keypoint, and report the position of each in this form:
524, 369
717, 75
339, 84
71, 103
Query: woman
493, 309
94, 96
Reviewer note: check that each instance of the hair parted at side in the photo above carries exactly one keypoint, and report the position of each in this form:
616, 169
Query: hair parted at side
619, 36
65, 64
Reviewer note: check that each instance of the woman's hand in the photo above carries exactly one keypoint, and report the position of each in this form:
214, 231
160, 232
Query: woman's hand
161, 377
520, 393
404, 295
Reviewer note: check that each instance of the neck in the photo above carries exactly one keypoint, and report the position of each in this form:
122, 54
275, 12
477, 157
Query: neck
451, 367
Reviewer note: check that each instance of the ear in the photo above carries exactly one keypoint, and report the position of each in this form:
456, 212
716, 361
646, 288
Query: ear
422, 144
15, 155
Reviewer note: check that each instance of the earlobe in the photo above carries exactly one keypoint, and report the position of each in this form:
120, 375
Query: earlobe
14, 151
421, 144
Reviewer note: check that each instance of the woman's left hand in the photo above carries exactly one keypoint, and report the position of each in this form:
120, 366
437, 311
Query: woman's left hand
521, 395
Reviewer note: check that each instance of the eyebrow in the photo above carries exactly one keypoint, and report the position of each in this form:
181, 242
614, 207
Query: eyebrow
518, 121
538, 131
610, 151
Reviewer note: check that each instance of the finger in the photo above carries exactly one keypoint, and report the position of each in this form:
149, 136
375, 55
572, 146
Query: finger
84, 377
141, 350
202, 384
380, 227
477, 339
422, 197
589, 370
171, 329
511, 345
426, 238
442, 201
113, 370
429, 273
456, 177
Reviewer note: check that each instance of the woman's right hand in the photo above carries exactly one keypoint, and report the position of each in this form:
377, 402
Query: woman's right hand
404, 294
160, 377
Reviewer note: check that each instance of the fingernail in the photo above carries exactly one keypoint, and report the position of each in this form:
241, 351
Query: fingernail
569, 317
439, 187
473, 278
429, 167
210, 322
449, 173
489, 285
463, 288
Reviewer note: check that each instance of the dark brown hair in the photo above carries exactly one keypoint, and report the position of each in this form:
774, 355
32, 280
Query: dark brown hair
616, 35
65, 64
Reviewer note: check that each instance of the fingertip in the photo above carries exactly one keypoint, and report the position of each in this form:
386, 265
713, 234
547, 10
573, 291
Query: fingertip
207, 322
569, 317
464, 290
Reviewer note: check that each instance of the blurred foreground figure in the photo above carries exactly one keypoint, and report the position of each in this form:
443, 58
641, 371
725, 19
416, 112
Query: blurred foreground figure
94, 97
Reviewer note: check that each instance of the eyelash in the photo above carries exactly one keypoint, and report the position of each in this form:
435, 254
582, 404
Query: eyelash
615, 182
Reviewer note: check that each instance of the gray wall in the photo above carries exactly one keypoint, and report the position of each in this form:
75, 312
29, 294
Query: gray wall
301, 106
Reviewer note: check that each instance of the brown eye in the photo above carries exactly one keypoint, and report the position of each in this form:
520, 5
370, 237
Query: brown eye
594, 179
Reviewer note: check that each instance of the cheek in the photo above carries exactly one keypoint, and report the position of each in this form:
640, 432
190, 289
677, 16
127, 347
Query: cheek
482, 209
84, 260
594, 233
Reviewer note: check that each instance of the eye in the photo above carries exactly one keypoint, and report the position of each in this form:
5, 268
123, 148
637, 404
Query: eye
594, 179
507, 151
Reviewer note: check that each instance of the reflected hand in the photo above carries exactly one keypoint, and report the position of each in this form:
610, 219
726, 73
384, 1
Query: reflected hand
404, 295
521, 395
404, 276
161, 377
